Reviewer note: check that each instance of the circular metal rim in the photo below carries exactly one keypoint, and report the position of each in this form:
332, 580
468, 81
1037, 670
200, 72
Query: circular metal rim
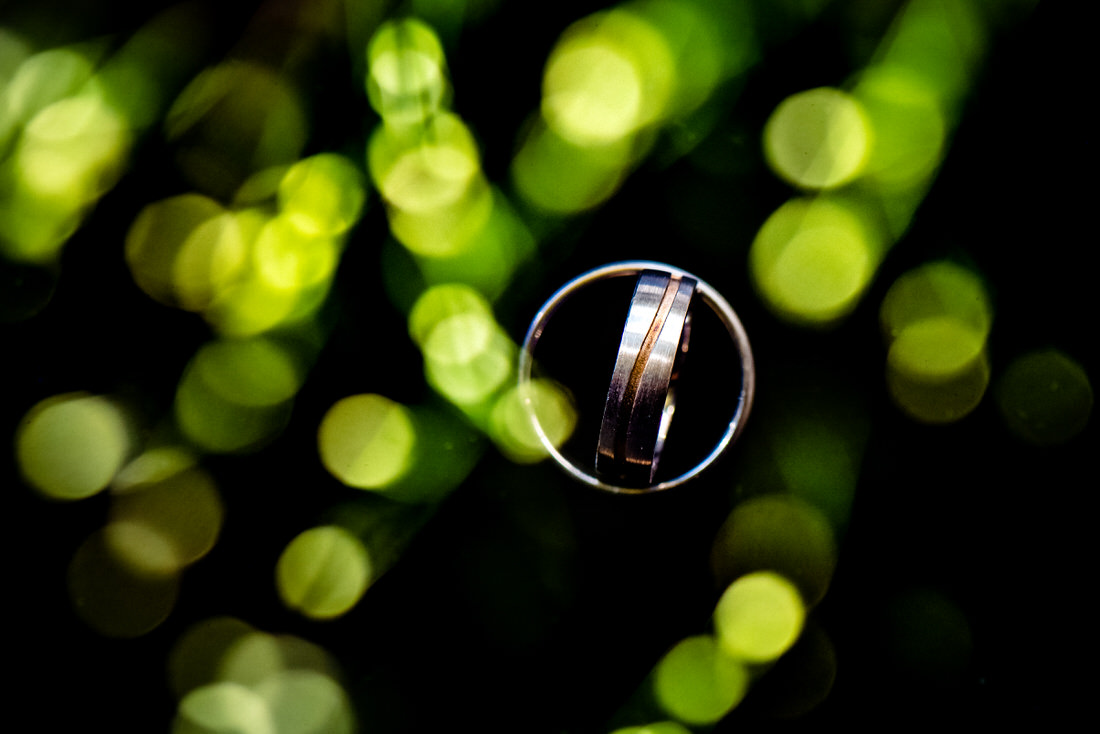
711, 297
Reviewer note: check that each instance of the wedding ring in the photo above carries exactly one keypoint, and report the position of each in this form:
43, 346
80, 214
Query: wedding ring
641, 398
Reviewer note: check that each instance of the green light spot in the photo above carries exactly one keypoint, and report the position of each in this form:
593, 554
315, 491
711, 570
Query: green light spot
115, 598
323, 572
910, 130
287, 259
425, 170
406, 81
780, 533
936, 290
232, 120
159, 232
817, 139
236, 395
812, 260
253, 658
33, 227
441, 302
610, 75
1045, 397
179, 514
68, 154
482, 247
208, 261
759, 617
152, 466
821, 271
512, 430
467, 357
223, 708
14, 50
935, 348
307, 702
366, 441
440, 236
142, 547
254, 305
75, 117
560, 177
74, 148
592, 94
253, 372
459, 339
41, 80
130, 81
698, 683
70, 446
937, 319
197, 654
705, 43
818, 456
446, 450
295, 680
940, 398
940, 42
322, 195
659, 727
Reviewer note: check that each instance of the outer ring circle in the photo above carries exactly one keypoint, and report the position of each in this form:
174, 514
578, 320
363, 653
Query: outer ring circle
709, 296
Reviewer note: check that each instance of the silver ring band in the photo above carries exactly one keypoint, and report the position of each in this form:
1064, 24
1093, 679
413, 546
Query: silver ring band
641, 399
639, 406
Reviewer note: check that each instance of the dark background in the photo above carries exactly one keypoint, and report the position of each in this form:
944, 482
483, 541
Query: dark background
472, 626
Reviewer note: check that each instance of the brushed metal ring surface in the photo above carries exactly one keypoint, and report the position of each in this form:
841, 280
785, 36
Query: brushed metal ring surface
639, 406
641, 400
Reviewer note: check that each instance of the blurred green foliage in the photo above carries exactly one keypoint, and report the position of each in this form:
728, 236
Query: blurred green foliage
263, 270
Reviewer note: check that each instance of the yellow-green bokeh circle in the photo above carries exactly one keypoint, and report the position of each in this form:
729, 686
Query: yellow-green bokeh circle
406, 79
221, 708
657, 727
817, 139
910, 128
698, 683
1045, 397
256, 372
935, 349
323, 572
307, 702
609, 75
513, 430
937, 290
759, 617
366, 441
70, 446
939, 398
780, 533
322, 194
812, 260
